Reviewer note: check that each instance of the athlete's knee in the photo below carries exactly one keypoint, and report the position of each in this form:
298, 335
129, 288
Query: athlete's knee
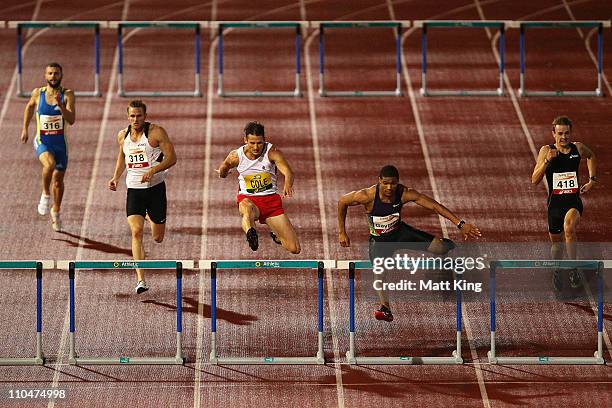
294, 247
136, 232
569, 229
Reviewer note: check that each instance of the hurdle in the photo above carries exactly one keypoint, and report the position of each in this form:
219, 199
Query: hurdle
95, 25
297, 25
73, 266
39, 358
425, 24
351, 354
213, 266
547, 264
524, 25
194, 25
397, 25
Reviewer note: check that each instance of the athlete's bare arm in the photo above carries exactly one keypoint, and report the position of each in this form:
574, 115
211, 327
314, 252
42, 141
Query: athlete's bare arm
230, 162
159, 138
467, 230
591, 161
68, 107
363, 197
28, 112
120, 165
545, 155
276, 156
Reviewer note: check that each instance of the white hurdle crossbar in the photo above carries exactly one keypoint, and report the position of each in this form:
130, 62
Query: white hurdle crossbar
351, 354
73, 266
524, 25
425, 24
194, 25
213, 266
95, 25
396, 25
598, 266
39, 358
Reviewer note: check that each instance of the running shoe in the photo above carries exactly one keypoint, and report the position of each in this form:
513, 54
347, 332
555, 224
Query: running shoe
384, 313
141, 287
56, 221
275, 238
575, 279
252, 239
43, 204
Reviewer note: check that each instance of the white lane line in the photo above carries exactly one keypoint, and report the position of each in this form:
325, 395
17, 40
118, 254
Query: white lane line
323, 215
417, 118
90, 192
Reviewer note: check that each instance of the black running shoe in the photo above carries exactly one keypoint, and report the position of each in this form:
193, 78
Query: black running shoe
557, 280
275, 238
252, 239
575, 279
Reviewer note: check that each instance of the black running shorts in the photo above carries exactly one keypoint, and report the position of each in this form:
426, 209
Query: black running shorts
152, 201
385, 245
556, 214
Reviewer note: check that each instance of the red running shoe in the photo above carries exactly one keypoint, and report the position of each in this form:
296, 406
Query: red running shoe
384, 313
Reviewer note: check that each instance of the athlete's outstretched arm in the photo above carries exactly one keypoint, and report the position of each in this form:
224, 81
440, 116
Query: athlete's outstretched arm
27, 114
120, 165
230, 162
467, 230
362, 197
281, 164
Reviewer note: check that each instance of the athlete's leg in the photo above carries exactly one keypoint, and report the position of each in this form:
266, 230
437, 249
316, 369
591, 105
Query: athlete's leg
282, 228
158, 231
440, 246
57, 187
570, 225
249, 213
557, 247
48, 167
136, 223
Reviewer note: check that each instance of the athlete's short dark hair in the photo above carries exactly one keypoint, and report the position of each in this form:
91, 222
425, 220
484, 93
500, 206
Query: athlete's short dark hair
137, 103
254, 128
389, 171
562, 121
55, 65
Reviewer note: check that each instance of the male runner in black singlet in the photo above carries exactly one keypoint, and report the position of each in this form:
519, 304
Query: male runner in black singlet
383, 203
560, 163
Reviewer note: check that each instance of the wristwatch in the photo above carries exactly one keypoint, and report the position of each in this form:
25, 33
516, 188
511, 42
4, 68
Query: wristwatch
461, 223
593, 178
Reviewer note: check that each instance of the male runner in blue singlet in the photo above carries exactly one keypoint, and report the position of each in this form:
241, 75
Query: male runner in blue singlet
383, 203
54, 106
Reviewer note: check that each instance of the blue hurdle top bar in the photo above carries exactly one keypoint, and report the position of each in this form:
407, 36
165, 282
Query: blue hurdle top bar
25, 264
267, 264
124, 264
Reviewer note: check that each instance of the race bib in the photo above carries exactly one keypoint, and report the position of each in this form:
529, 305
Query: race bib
565, 183
51, 124
257, 183
386, 224
137, 159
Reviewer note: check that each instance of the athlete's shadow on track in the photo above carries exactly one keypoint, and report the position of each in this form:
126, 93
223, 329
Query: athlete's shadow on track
93, 244
222, 314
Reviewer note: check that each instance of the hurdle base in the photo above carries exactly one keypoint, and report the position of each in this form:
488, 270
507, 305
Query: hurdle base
22, 361
258, 94
127, 361
596, 92
267, 360
462, 92
546, 360
324, 93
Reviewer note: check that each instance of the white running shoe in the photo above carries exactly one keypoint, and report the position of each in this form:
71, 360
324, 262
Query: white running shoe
43, 204
56, 221
141, 287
